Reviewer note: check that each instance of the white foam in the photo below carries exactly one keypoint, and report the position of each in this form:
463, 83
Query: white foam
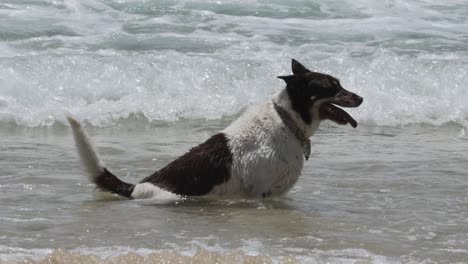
396, 90
204, 59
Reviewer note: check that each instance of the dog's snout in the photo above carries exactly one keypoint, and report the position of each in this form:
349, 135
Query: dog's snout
358, 99
348, 99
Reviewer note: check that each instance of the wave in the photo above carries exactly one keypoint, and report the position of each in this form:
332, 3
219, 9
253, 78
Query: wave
397, 90
109, 60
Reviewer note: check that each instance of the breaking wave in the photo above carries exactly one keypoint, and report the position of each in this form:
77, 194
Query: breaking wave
170, 60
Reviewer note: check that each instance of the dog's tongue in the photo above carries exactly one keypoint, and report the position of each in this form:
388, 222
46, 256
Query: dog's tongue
329, 111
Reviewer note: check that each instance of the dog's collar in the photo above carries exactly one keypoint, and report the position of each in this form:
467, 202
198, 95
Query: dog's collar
298, 133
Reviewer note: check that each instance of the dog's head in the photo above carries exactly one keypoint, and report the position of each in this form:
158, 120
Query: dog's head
311, 92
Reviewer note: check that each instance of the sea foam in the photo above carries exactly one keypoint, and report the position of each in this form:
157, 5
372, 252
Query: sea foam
101, 89
171, 60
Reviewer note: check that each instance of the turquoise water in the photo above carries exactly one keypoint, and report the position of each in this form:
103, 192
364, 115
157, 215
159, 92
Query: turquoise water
153, 78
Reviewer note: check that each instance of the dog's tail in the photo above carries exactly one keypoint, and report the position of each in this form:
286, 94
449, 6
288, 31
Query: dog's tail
96, 170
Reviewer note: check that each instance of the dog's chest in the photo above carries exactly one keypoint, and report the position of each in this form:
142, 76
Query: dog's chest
267, 158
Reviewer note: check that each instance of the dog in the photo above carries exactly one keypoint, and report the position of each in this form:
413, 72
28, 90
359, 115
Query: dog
260, 155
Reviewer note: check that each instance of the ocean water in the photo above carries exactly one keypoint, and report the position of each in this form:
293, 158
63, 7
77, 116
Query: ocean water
153, 78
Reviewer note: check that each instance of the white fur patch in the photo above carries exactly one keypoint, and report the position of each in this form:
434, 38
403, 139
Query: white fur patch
267, 157
147, 190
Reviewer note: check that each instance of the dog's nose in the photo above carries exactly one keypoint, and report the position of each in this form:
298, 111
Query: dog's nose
358, 99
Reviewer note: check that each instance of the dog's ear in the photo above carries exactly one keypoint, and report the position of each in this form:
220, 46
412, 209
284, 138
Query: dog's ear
286, 79
298, 68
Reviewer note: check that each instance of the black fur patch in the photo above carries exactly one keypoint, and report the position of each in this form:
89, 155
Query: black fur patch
109, 182
197, 171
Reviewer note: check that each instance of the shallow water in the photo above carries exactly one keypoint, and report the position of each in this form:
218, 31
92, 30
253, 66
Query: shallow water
173, 59
391, 194
153, 78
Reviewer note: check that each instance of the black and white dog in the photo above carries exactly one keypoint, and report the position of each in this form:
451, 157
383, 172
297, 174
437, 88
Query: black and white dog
261, 154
